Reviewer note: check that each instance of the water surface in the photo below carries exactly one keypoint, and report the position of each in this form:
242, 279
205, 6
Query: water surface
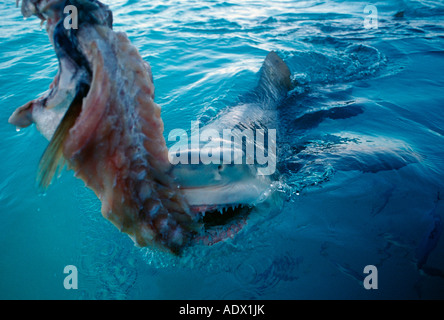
361, 155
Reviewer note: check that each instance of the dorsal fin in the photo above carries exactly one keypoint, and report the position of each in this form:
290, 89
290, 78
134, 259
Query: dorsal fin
275, 79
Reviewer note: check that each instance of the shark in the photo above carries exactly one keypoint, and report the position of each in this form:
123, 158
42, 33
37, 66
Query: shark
101, 120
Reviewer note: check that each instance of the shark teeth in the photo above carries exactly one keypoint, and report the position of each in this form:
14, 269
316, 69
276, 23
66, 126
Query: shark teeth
223, 208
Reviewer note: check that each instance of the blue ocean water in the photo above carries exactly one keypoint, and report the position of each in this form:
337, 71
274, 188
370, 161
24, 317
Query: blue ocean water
361, 155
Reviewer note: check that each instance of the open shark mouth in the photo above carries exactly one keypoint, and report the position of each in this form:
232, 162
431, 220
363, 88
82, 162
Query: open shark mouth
100, 117
220, 222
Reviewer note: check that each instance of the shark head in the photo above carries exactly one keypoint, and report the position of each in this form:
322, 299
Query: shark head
223, 201
221, 185
220, 195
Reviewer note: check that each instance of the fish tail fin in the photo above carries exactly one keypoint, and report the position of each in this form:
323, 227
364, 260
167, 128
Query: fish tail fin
52, 160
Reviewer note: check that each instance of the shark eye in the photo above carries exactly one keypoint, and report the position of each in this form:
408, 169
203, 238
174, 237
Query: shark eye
220, 167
